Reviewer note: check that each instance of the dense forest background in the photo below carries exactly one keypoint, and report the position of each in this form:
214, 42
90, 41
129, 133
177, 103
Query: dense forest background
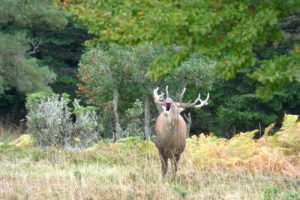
114, 53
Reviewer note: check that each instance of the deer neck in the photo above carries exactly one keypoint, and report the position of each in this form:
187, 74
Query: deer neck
170, 119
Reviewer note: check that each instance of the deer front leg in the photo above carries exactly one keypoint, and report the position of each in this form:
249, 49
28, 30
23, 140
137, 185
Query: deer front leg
174, 162
174, 167
164, 166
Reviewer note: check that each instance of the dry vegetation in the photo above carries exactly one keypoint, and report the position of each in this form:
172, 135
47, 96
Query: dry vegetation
210, 168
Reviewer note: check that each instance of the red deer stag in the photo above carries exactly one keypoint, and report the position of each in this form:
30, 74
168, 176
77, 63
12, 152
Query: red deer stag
171, 129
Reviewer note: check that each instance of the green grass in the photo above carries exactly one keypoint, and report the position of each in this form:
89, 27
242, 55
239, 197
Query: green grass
112, 172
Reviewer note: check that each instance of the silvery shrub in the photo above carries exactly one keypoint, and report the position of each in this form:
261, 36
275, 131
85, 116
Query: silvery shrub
53, 123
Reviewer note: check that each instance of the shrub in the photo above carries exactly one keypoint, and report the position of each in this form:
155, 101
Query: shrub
86, 127
49, 121
133, 120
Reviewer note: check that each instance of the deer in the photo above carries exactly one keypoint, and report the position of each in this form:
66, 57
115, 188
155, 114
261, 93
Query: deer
171, 129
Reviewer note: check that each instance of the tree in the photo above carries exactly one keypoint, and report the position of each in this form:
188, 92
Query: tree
37, 42
254, 45
144, 55
18, 68
103, 73
230, 32
61, 50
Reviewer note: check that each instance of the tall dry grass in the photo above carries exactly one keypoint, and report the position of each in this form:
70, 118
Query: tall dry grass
8, 132
114, 173
210, 168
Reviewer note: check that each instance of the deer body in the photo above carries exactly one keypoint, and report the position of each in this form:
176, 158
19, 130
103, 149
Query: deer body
171, 129
170, 135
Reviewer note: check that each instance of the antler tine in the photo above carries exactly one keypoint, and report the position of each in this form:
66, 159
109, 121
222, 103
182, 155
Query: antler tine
196, 101
203, 102
158, 98
181, 96
194, 104
167, 91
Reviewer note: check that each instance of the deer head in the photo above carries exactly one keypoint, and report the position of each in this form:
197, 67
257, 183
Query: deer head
169, 106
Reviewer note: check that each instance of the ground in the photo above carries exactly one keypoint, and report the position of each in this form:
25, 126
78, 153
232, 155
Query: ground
209, 168
111, 172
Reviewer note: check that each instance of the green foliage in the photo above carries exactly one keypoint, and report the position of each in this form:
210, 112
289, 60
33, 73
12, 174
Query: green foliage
133, 120
101, 70
254, 44
233, 107
125, 68
270, 193
33, 14
228, 32
146, 55
19, 19
18, 69
35, 36
61, 51
276, 73
12, 106
35, 98
106, 69
198, 71
291, 194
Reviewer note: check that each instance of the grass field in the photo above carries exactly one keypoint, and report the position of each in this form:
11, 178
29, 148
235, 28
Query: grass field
112, 172
210, 168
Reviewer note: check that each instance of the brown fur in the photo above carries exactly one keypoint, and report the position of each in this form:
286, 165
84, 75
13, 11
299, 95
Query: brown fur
170, 130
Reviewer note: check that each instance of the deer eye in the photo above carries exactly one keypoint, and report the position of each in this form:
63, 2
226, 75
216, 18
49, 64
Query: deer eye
168, 106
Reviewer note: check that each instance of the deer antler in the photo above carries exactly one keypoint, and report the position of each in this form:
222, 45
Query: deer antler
194, 104
198, 103
167, 91
181, 96
158, 98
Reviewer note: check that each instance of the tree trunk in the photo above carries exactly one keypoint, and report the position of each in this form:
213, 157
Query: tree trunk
147, 117
188, 124
118, 128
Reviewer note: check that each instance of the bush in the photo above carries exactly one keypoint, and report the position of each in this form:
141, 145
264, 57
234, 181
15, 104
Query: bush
86, 128
49, 121
133, 120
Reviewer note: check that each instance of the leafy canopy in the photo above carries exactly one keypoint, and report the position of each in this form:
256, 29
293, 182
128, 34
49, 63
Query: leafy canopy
19, 20
18, 69
227, 31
